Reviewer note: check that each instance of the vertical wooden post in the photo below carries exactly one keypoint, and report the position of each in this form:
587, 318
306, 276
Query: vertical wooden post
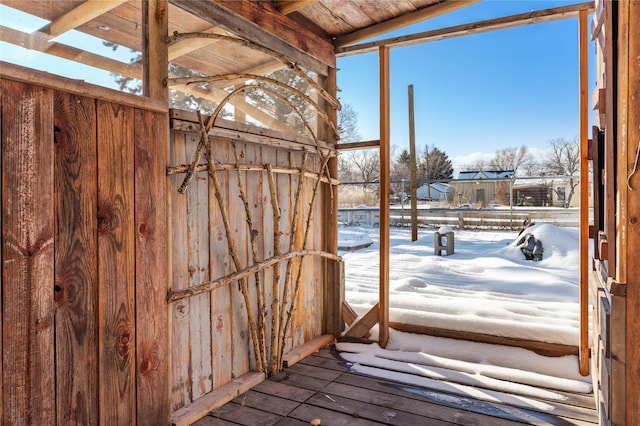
412, 168
334, 273
155, 51
584, 195
629, 136
385, 137
152, 331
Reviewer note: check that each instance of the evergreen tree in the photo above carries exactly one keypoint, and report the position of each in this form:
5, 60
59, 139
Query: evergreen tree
435, 165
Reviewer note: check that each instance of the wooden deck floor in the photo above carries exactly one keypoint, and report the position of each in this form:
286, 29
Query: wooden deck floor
321, 387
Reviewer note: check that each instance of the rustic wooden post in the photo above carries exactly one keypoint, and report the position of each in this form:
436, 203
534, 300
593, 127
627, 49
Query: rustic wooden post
629, 184
385, 137
334, 274
155, 51
584, 195
153, 388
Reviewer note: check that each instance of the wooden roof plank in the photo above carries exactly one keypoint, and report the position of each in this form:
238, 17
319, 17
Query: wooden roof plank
185, 46
39, 42
80, 15
402, 21
288, 6
535, 17
266, 27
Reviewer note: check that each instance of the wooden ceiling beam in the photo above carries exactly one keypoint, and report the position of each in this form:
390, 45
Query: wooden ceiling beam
410, 18
289, 6
262, 24
82, 14
40, 42
536, 17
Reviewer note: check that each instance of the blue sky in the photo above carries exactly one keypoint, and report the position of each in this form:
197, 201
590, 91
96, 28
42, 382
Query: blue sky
476, 94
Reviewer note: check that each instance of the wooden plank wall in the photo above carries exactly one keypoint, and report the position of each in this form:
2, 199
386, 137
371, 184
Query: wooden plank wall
84, 314
210, 334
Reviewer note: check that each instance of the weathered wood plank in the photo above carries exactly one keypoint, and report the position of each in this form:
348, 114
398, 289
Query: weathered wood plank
79, 15
527, 18
155, 18
307, 413
385, 154
262, 24
152, 325
1, 263
179, 258
306, 349
633, 265
248, 416
268, 156
403, 20
443, 406
243, 359
217, 398
268, 403
286, 195
197, 218
253, 190
360, 328
45, 79
283, 390
116, 264
28, 254
368, 405
76, 281
220, 265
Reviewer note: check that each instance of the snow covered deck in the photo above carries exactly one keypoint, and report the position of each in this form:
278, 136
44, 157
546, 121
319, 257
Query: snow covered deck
322, 388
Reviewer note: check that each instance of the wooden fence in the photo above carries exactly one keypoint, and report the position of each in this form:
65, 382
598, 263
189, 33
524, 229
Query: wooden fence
84, 278
252, 215
464, 218
119, 299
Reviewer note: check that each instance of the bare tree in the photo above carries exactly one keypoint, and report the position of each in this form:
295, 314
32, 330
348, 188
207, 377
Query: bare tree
478, 165
511, 159
563, 159
348, 124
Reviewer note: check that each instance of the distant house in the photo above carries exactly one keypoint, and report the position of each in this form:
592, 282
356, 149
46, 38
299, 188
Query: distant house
482, 187
546, 193
437, 191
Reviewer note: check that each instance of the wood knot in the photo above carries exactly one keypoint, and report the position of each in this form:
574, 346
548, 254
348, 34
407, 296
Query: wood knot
142, 228
633, 220
104, 220
59, 293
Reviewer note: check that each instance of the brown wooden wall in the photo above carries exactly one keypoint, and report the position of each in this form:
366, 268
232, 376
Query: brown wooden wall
616, 281
84, 271
210, 333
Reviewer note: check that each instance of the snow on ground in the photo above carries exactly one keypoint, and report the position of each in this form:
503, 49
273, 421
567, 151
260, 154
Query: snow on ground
486, 286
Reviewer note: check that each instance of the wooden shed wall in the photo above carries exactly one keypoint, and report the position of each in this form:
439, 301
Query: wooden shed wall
210, 333
84, 271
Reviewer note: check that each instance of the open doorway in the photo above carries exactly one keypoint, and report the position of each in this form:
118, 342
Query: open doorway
489, 290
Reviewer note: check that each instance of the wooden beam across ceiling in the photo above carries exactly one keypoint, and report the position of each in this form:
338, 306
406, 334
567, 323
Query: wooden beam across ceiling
535, 17
410, 18
82, 14
259, 23
289, 6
